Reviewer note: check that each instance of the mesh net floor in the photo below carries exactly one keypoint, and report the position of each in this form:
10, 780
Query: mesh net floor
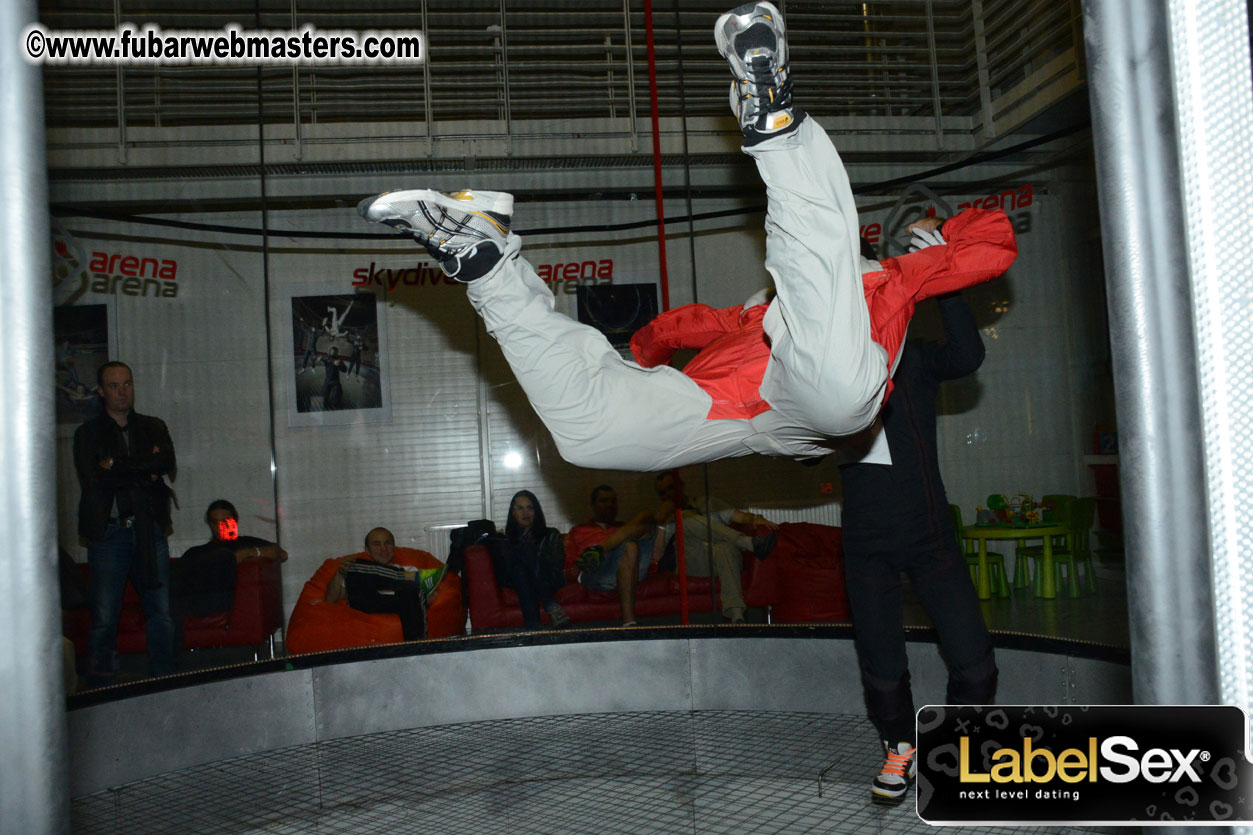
654, 772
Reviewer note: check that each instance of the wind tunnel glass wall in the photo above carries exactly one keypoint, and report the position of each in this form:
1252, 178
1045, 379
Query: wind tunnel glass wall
323, 376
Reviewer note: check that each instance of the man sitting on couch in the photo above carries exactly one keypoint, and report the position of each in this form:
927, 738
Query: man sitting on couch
606, 554
711, 547
205, 584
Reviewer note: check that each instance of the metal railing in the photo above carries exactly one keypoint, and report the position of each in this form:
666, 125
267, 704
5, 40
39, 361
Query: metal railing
505, 61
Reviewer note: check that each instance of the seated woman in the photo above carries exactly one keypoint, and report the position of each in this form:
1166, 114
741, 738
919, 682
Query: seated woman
534, 557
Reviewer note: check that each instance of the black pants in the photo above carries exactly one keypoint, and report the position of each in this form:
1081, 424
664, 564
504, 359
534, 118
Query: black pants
332, 394
942, 582
375, 594
535, 585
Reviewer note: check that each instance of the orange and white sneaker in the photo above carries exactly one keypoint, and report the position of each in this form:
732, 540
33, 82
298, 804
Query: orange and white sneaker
897, 774
464, 230
753, 39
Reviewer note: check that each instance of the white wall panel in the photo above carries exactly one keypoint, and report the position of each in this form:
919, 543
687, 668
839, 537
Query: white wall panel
422, 466
199, 364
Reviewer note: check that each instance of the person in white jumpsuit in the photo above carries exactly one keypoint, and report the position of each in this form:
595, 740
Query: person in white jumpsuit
826, 376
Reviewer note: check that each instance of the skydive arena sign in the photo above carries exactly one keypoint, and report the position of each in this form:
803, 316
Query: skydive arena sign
1084, 765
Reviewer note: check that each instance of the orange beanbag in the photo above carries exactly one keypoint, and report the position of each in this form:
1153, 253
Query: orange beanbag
316, 625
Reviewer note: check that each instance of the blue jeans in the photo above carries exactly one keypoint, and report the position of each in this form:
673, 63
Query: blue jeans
112, 561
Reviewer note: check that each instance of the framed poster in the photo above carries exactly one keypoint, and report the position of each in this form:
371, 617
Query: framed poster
85, 339
337, 370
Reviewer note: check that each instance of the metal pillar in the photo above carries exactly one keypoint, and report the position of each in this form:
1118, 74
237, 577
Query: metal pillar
34, 783
1154, 352
1210, 63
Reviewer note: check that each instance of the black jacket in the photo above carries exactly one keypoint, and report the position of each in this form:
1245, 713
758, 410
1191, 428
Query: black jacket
131, 473
904, 506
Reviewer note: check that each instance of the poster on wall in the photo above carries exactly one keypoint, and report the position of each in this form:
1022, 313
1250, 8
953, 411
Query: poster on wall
85, 340
338, 370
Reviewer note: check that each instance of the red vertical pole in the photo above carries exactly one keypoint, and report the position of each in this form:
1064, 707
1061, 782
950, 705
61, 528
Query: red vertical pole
680, 552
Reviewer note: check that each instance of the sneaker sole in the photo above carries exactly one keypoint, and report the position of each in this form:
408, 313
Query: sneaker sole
889, 799
720, 36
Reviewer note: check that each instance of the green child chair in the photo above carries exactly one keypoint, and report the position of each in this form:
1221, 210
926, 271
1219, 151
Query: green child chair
1057, 511
1073, 550
996, 562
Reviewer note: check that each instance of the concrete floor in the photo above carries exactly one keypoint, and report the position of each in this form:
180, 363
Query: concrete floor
717, 772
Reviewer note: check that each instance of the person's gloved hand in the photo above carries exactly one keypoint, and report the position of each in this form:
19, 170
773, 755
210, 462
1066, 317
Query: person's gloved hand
762, 296
923, 238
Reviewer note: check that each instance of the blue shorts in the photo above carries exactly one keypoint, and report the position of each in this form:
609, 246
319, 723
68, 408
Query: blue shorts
605, 576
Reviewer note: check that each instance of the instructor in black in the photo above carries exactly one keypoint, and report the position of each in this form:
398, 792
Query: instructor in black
122, 459
896, 519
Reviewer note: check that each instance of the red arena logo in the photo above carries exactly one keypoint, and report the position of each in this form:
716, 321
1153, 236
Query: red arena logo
132, 275
1009, 200
597, 271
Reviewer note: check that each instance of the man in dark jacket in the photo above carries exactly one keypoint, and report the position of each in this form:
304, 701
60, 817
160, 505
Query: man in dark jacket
896, 519
204, 583
121, 458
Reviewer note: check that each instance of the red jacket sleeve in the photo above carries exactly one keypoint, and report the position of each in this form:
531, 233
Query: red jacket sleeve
980, 246
690, 326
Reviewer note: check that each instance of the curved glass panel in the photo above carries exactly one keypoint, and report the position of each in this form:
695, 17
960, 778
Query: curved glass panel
322, 375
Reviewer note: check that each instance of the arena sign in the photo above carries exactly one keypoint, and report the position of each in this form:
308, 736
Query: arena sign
75, 271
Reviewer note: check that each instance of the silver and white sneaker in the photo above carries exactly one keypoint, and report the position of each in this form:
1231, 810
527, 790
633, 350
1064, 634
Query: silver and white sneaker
753, 39
464, 230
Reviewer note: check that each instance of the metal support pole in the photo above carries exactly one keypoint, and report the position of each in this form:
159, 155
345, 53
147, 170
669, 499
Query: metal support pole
35, 779
1154, 352
985, 78
936, 105
1209, 44
504, 74
121, 93
428, 117
295, 93
630, 68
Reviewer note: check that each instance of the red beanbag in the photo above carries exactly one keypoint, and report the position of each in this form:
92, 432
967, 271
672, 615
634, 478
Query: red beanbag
317, 626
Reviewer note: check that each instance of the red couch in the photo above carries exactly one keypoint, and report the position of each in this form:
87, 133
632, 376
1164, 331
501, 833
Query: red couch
253, 620
810, 575
804, 576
